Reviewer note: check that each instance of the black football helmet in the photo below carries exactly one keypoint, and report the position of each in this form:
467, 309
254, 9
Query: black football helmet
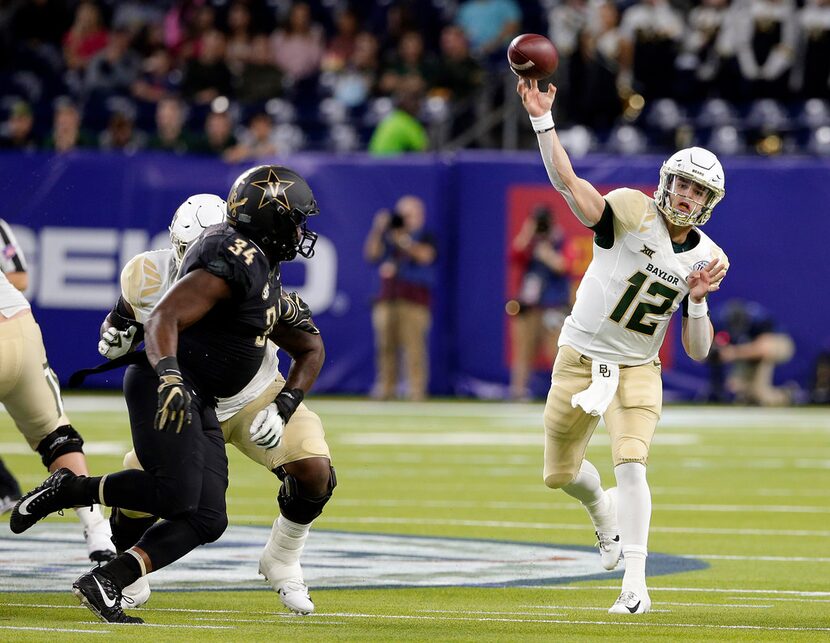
270, 205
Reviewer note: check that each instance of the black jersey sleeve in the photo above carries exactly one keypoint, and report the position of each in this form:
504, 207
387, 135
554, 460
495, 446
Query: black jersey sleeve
229, 256
604, 228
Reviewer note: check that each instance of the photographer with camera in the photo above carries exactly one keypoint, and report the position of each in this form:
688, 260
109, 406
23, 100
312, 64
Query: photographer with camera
542, 303
405, 256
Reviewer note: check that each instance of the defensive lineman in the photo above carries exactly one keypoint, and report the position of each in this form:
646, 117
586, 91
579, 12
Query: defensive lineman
649, 260
216, 319
144, 281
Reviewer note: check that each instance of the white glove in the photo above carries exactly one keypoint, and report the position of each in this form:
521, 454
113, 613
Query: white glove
266, 429
115, 343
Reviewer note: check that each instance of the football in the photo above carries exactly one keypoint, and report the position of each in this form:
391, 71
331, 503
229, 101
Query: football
532, 56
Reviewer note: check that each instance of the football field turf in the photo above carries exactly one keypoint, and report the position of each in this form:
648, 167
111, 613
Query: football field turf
441, 529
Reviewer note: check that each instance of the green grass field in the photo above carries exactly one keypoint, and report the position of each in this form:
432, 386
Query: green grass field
745, 491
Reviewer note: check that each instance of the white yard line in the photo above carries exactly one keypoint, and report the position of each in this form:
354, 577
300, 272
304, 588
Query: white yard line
54, 629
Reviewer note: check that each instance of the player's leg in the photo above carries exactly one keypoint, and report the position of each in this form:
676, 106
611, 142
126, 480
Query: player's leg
775, 349
567, 433
415, 321
201, 522
523, 334
386, 349
34, 401
9, 489
631, 419
304, 455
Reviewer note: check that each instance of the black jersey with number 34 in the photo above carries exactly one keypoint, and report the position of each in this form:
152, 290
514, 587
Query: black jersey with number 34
222, 351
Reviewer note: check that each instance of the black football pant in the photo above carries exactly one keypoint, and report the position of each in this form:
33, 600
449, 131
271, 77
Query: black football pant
185, 474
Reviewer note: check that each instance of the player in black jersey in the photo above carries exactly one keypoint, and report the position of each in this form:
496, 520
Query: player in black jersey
205, 339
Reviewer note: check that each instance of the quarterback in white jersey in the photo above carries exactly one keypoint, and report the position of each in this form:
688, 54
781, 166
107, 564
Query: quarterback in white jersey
144, 281
649, 259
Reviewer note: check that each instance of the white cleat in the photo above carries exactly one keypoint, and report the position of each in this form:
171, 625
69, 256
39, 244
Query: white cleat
138, 593
608, 542
288, 582
294, 595
631, 603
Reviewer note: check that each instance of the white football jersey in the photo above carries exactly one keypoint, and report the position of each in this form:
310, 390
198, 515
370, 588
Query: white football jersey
630, 291
145, 279
12, 300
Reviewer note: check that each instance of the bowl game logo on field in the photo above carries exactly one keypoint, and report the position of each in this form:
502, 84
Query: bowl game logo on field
50, 558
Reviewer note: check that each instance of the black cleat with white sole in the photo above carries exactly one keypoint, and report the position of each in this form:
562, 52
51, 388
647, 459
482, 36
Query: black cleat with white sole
49, 497
102, 597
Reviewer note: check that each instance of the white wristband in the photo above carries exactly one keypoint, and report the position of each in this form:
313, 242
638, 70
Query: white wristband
543, 123
696, 311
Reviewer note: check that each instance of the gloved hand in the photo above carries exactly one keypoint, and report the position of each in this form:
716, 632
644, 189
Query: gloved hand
295, 313
268, 425
173, 411
115, 343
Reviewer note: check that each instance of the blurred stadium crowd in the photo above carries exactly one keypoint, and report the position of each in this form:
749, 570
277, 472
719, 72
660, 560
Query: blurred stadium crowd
247, 78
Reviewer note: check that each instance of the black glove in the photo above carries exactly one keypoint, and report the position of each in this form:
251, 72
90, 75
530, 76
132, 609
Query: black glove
174, 401
295, 312
287, 402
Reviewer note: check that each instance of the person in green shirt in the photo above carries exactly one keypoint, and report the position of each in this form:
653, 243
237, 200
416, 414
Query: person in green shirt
401, 131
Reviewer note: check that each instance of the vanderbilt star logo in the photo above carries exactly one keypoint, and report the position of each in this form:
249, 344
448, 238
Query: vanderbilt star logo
273, 188
648, 252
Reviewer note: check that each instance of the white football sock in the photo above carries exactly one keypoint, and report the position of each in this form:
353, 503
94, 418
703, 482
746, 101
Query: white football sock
634, 515
586, 488
284, 547
93, 520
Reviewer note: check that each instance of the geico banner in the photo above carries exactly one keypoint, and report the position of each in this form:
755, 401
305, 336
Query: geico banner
81, 216
79, 268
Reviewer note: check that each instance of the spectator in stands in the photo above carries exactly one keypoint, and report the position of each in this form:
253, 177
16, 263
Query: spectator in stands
404, 253
707, 60
207, 76
567, 22
85, 38
240, 36
459, 78
766, 37
121, 134
299, 46
358, 80
749, 347
401, 131
114, 69
66, 128
218, 137
18, 132
40, 22
342, 45
170, 134
651, 31
543, 299
489, 25
596, 101
259, 80
157, 79
409, 61
813, 72
259, 140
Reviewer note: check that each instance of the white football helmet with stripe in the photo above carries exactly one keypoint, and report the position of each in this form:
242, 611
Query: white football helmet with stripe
699, 166
198, 212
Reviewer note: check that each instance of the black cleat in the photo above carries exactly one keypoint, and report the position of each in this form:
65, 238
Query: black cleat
49, 497
102, 597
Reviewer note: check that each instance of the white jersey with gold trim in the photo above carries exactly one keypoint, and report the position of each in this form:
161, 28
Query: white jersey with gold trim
630, 291
145, 279
12, 300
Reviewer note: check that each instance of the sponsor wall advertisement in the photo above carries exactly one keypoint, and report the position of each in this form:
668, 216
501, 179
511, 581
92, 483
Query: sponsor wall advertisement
81, 217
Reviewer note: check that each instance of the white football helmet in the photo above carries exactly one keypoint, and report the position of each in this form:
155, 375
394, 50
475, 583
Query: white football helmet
198, 212
699, 166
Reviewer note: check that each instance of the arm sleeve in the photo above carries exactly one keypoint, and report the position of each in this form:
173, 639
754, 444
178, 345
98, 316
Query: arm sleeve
11, 257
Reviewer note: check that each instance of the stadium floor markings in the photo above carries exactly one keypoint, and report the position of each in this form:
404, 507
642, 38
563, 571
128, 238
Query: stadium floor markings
704, 590
61, 630
506, 524
625, 623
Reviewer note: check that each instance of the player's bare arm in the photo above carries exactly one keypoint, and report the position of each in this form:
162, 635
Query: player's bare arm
18, 279
582, 197
307, 354
697, 328
182, 306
